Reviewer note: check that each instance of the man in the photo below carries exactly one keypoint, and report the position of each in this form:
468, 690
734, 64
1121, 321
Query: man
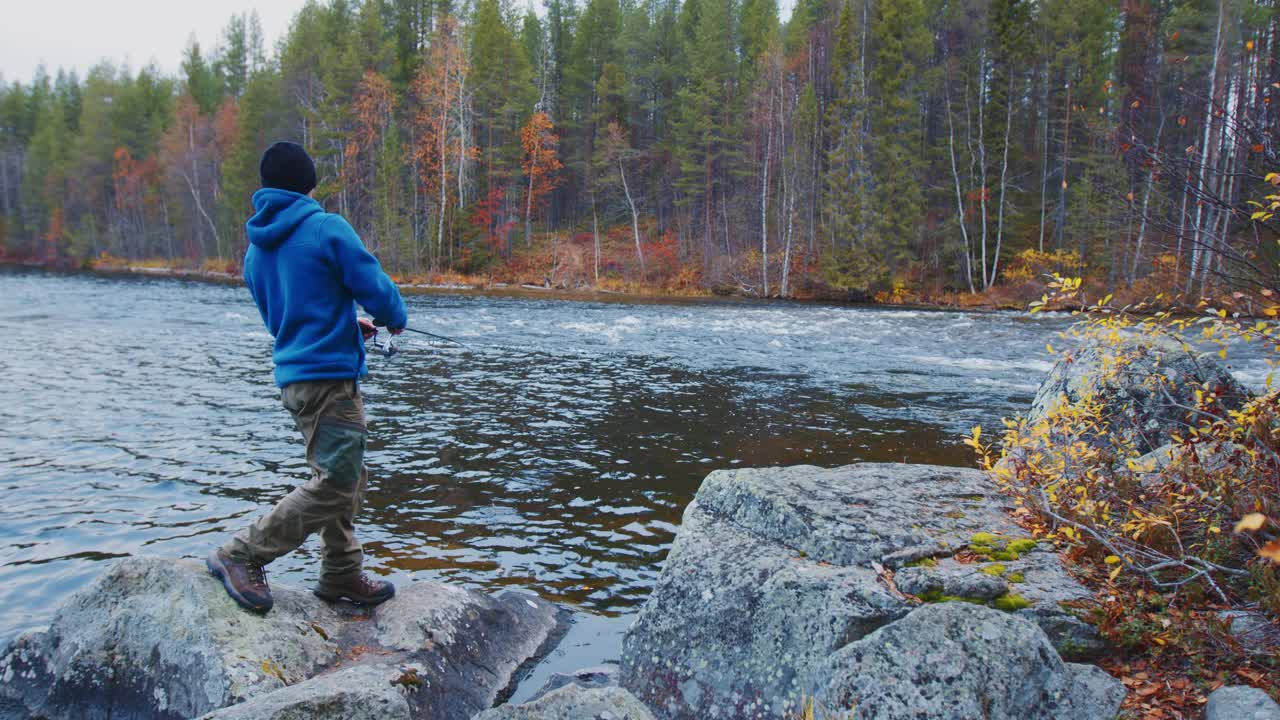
306, 270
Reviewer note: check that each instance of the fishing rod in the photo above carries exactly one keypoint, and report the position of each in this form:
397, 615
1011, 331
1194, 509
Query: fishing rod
389, 349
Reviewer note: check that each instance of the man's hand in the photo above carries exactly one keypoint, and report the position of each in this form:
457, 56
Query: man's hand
367, 330
393, 331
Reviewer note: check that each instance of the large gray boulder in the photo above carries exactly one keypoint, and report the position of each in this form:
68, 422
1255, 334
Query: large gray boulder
774, 570
1240, 702
159, 638
575, 702
362, 692
964, 662
1144, 384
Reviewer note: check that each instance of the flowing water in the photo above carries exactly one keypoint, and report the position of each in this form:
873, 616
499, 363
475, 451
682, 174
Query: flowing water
554, 453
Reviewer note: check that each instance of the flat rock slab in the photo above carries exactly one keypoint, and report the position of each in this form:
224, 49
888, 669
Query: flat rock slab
1240, 702
159, 638
575, 702
776, 569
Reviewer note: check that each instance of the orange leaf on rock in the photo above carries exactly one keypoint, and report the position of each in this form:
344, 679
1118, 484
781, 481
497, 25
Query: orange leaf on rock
1251, 522
1271, 551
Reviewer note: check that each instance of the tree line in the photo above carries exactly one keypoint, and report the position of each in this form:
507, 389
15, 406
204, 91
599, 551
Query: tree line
865, 147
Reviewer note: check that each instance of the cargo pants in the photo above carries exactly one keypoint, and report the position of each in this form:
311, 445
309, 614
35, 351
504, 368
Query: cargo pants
330, 415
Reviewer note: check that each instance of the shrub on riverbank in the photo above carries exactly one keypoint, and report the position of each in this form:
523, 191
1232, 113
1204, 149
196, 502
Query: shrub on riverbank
1160, 476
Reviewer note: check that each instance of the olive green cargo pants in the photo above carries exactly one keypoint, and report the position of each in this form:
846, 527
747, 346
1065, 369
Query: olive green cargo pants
330, 415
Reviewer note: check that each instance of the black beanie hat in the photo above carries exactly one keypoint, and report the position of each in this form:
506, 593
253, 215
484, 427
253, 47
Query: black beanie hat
287, 166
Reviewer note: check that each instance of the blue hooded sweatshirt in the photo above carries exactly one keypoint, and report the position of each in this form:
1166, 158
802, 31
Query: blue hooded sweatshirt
306, 270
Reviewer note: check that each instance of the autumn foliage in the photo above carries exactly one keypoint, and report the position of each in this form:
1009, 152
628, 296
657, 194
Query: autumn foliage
541, 163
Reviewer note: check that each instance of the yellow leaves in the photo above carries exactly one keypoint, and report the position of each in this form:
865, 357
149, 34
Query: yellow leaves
982, 451
1251, 522
1112, 560
975, 437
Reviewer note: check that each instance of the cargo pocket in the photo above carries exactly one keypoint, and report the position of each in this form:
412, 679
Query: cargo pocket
339, 451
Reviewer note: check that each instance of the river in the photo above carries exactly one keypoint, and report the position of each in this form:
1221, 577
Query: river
554, 453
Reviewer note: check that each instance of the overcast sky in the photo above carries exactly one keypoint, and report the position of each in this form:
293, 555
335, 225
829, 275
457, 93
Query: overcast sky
78, 33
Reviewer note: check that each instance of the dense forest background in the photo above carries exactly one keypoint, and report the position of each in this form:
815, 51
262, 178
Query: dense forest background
898, 150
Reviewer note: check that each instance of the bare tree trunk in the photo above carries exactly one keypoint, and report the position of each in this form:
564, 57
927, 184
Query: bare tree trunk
595, 233
1060, 230
1197, 251
444, 176
764, 208
1044, 167
635, 218
1146, 199
193, 185
708, 221
1182, 226
788, 196
982, 159
168, 227
955, 174
195, 195
528, 203
1004, 173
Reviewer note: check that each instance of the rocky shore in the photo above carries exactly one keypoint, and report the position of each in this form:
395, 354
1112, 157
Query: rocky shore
893, 591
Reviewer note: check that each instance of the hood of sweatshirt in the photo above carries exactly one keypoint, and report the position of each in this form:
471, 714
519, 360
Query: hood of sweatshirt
279, 213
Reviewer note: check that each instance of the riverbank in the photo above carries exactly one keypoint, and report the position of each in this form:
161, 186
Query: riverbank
619, 291
1028, 288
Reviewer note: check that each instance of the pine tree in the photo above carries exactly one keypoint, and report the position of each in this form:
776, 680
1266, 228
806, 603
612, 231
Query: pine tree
708, 116
201, 80
234, 63
895, 137
846, 206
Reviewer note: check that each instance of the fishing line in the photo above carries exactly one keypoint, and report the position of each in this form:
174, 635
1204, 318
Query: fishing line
388, 347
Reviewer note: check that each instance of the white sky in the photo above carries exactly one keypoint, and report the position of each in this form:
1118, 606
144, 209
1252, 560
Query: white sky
79, 33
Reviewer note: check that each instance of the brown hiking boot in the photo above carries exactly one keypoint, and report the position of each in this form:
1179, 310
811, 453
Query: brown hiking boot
361, 590
246, 582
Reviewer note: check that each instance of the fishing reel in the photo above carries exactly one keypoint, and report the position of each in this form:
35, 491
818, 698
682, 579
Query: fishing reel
385, 344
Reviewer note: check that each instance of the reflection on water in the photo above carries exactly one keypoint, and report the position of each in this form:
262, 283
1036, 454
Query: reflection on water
554, 453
